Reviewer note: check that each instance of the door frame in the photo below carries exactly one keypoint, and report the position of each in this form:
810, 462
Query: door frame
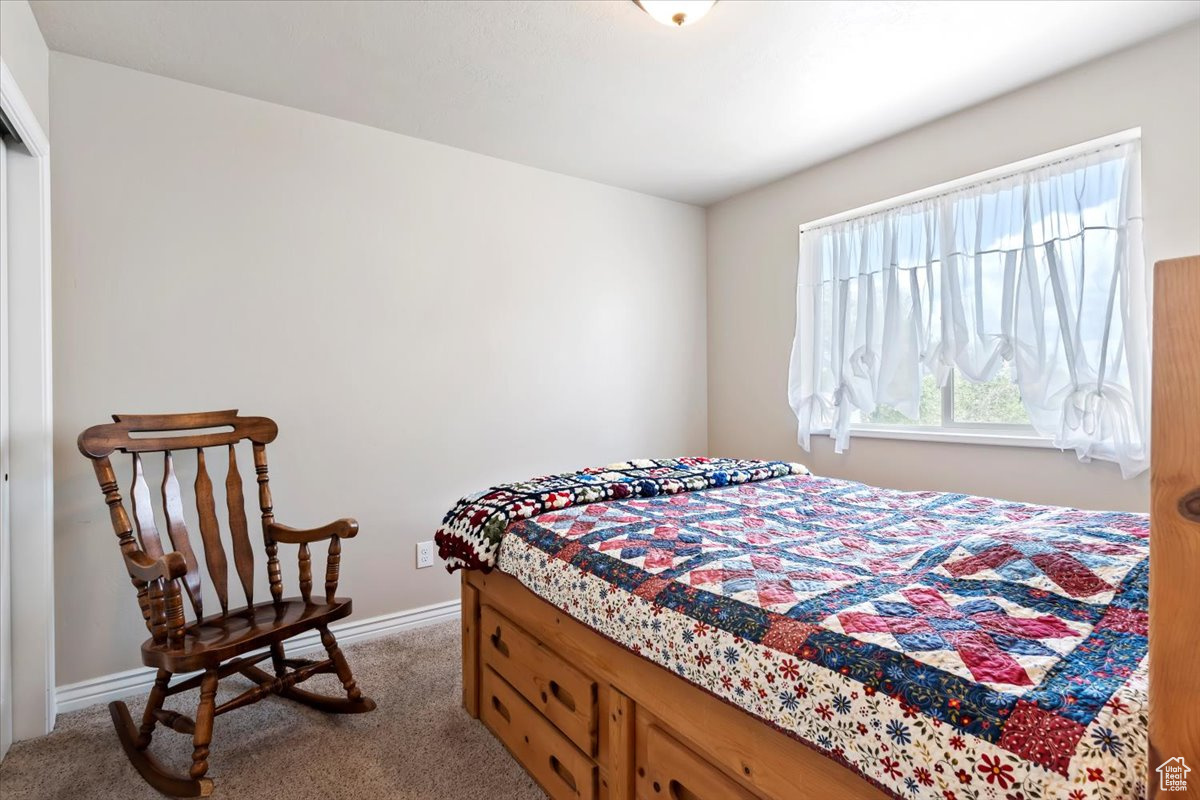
31, 456
6, 727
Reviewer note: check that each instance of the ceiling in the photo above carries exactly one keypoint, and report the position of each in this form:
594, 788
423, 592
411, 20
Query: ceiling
754, 91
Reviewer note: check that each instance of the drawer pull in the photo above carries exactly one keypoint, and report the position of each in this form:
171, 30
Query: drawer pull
562, 695
500, 646
677, 791
500, 709
562, 772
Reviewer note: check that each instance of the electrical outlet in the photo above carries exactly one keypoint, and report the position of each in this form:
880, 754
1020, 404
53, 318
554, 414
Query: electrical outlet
425, 551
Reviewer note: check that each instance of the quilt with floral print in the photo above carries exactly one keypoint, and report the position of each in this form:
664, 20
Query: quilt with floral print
941, 645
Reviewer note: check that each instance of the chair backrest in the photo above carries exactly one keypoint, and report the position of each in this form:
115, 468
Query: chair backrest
159, 600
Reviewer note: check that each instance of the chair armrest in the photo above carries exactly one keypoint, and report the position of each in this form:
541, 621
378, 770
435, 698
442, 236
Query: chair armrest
169, 566
342, 529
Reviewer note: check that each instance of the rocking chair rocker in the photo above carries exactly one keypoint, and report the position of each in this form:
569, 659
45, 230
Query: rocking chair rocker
216, 645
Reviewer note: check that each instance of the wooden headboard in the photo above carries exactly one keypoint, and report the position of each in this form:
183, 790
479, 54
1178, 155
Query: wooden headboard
1175, 520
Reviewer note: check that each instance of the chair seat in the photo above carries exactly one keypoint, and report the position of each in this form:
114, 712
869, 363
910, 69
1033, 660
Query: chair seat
220, 637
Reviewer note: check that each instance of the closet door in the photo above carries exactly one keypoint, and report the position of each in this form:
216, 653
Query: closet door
6, 727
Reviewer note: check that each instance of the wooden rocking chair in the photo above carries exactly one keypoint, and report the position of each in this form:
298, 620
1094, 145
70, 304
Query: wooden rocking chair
214, 645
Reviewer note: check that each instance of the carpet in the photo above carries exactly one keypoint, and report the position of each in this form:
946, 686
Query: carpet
417, 745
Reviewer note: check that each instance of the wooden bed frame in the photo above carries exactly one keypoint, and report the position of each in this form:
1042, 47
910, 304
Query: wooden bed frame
1175, 521
591, 720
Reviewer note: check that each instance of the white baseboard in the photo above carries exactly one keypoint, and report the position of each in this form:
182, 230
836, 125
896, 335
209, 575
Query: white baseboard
75, 696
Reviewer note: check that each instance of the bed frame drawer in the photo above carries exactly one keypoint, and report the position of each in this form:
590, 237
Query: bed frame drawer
563, 694
563, 771
669, 771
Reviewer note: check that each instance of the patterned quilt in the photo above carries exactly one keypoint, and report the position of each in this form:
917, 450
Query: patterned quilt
470, 534
943, 646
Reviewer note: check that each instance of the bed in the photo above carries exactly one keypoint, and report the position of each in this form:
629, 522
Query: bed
776, 634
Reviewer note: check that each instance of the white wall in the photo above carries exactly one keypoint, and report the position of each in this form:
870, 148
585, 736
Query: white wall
752, 248
421, 321
24, 51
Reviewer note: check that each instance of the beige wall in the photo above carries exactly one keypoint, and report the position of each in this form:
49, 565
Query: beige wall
752, 241
421, 321
24, 51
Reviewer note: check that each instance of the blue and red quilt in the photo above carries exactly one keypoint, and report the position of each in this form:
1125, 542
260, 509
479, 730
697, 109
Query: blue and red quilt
470, 533
943, 646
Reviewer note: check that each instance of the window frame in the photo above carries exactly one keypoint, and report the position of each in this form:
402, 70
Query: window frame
950, 431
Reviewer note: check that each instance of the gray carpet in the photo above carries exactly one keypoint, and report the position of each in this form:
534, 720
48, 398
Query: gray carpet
417, 744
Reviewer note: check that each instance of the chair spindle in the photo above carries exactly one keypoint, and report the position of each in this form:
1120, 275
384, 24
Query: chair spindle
210, 533
333, 563
305, 573
243, 553
173, 610
268, 516
143, 511
177, 533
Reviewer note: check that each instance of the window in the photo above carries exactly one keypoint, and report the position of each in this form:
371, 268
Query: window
994, 404
987, 412
1008, 307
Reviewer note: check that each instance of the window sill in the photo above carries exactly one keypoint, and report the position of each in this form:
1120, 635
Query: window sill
954, 436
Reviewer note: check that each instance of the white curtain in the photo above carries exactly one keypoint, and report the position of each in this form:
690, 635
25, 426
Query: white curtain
1039, 275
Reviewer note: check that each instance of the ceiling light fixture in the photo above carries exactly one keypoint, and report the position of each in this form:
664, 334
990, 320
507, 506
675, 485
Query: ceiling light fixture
676, 13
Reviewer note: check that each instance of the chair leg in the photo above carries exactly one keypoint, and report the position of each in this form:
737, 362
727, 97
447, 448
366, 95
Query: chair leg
147, 765
204, 724
353, 693
153, 703
340, 665
277, 657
